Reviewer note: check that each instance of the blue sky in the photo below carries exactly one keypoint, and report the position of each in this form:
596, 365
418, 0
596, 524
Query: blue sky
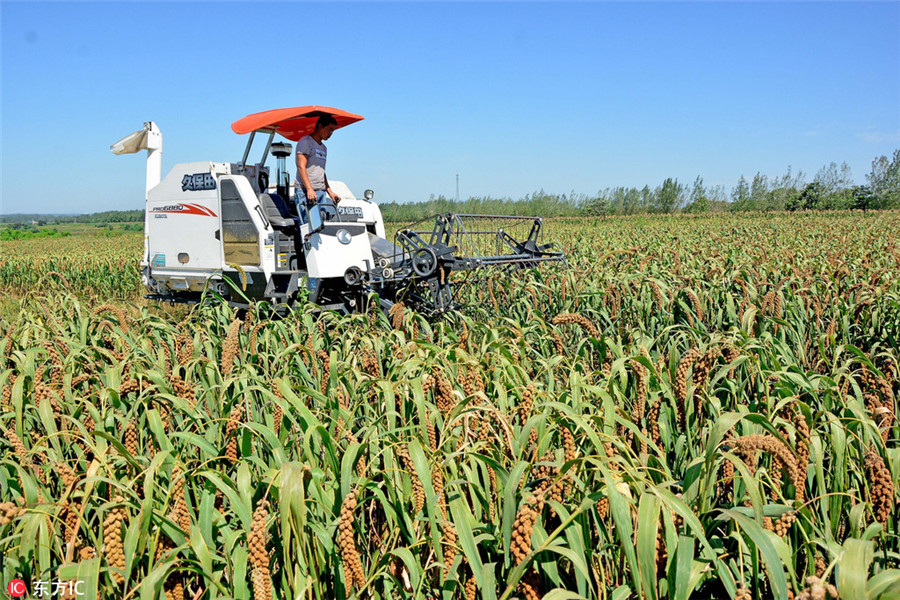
514, 96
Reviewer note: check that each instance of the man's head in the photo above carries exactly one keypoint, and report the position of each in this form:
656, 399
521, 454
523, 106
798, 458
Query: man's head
325, 126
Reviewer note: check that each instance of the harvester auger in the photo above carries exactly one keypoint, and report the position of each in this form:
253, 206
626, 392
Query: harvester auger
224, 226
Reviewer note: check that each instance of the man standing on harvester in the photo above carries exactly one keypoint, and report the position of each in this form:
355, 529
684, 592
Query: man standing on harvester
311, 185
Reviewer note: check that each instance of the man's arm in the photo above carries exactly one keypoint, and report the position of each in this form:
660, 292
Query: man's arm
334, 197
304, 177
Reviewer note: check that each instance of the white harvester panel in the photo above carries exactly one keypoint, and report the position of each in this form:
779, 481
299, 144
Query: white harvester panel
336, 248
367, 212
197, 222
183, 217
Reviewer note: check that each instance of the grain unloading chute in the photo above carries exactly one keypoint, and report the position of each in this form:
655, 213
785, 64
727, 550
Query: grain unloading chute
222, 225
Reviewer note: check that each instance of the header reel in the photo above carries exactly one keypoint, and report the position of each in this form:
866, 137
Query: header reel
418, 271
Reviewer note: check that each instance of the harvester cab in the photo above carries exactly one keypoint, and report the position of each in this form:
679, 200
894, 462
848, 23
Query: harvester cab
226, 226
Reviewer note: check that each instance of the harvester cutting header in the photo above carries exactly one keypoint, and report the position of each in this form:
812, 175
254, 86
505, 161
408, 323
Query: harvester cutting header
208, 221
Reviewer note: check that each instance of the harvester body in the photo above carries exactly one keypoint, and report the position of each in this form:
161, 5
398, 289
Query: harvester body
220, 225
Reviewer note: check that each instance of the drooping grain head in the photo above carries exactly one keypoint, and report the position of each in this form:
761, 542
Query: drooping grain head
448, 542
230, 347
576, 319
120, 314
523, 527
235, 419
444, 395
113, 547
882, 490
417, 488
748, 445
353, 570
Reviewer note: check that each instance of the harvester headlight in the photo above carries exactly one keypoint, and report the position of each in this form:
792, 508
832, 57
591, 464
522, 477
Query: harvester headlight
368, 195
344, 236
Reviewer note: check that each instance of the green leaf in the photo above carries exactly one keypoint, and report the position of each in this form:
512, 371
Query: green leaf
559, 594
761, 539
621, 513
236, 503
86, 574
153, 582
684, 556
647, 530
412, 565
853, 568
463, 520
510, 506
884, 586
201, 550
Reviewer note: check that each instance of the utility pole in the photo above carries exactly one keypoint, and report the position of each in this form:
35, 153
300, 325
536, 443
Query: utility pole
457, 188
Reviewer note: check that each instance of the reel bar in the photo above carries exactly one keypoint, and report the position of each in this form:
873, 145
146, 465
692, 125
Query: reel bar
482, 240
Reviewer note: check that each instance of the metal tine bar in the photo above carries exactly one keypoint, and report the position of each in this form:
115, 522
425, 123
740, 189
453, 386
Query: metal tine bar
494, 232
502, 217
486, 238
517, 258
460, 235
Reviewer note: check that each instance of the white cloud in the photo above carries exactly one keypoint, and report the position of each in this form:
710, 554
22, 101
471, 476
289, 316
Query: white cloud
879, 137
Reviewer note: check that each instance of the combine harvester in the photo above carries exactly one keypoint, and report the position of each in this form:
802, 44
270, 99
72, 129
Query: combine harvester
209, 224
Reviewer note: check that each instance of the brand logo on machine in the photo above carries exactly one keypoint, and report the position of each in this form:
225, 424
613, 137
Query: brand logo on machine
344, 236
185, 209
350, 210
197, 182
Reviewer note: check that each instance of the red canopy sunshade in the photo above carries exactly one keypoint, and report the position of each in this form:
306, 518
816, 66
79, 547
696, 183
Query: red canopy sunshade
292, 123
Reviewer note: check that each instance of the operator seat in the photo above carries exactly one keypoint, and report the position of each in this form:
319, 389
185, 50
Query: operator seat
277, 211
283, 219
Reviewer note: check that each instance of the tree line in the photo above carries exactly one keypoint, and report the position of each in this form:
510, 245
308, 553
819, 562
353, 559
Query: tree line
832, 188
109, 216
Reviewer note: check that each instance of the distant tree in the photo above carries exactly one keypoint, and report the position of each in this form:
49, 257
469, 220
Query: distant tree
790, 197
759, 192
670, 195
833, 179
884, 180
631, 199
740, 195
647, 200
863, 197
598, 206
811, 197
698, 201
834, 186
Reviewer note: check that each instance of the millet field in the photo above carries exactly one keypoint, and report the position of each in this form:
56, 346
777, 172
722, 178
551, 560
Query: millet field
691, 407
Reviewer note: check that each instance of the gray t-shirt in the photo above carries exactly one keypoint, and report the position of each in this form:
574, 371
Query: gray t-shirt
315, 162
